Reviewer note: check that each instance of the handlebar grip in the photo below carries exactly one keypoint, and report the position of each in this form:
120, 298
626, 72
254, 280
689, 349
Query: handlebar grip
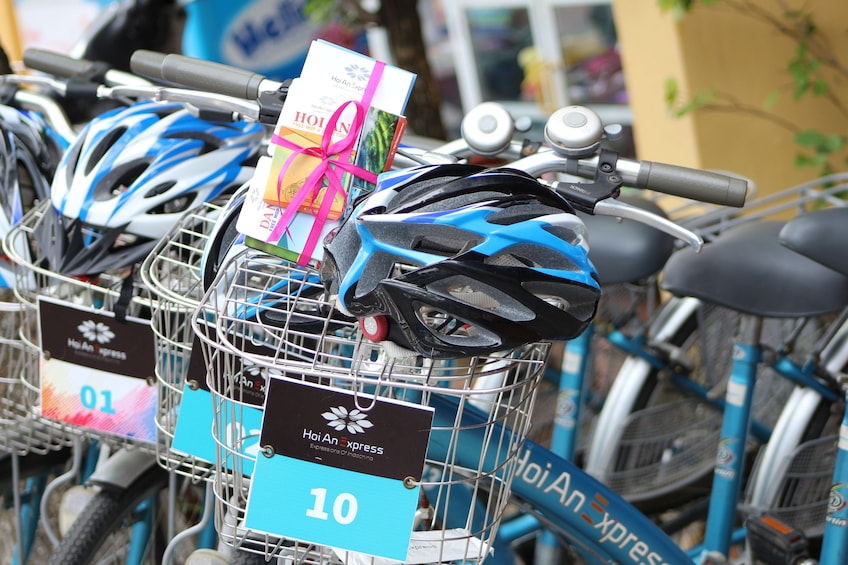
197, 73
699, 185
56, 64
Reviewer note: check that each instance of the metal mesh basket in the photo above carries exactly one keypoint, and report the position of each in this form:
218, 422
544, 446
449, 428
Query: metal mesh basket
671, 443
20, 430
265, 317
33, 281
800, 491
823, 192
172, 276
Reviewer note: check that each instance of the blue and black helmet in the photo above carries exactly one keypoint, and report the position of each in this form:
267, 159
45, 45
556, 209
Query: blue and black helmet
456, 260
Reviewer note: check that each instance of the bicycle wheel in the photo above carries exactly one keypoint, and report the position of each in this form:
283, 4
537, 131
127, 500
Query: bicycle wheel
792, 477
103, 532
36, 470
657, 436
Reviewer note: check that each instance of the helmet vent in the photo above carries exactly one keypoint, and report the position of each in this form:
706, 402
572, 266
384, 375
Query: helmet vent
522, 211
534, 256
159, 189
103, 146
118, 180
568, 235
446, 247
210, 142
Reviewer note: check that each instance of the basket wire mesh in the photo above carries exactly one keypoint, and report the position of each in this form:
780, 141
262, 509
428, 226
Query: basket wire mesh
33, 280
265, 318
800, 491
655, 459
20, 430
172, 277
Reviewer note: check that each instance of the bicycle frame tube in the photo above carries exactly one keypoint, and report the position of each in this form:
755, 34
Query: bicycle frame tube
593, 515
730, 464
569, 405
566, 429
835, 539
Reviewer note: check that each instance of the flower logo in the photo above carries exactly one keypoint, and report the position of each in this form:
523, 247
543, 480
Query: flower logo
357, 72
96, 331
340, 419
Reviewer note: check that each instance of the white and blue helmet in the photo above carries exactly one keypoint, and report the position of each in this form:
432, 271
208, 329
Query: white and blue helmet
131, 175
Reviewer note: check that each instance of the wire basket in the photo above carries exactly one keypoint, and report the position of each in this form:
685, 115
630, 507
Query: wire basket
32, 281
265, 319
669, 445
172, 276
800, 490
21, 431
824, 192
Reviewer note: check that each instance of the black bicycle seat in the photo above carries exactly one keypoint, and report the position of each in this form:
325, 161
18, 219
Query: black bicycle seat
626, 250
820, 235
748, 270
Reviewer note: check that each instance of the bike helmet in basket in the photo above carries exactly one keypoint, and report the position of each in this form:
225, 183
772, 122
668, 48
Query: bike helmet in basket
131, 175
455, 261
28, 157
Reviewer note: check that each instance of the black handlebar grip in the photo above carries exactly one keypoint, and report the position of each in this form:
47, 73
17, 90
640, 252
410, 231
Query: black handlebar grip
699, 185
57, 64
197, 73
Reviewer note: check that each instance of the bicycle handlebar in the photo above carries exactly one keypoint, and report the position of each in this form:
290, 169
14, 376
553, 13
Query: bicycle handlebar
704, 186
57, 64
65, 66
200, 74
696, 184
669, 179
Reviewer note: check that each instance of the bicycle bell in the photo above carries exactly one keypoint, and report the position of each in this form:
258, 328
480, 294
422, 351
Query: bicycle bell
576, 132
488, 129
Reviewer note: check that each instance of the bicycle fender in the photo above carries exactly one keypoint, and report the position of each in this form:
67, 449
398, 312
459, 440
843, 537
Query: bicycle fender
122, 468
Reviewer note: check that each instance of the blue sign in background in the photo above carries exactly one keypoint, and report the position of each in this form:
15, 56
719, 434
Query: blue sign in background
193, 432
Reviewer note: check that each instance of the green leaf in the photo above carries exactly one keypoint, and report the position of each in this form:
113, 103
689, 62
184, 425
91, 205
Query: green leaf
820, 87
802, 161
833, 142
672, 91
771, 100
809, 138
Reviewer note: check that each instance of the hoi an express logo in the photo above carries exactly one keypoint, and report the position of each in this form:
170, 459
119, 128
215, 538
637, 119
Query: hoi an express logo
95, 335
349, 423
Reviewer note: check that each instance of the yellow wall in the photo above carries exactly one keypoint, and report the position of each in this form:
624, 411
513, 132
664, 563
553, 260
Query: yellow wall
9, 35
716, 46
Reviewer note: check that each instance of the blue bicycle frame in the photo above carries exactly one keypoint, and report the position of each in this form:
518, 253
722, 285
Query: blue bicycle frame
599, 522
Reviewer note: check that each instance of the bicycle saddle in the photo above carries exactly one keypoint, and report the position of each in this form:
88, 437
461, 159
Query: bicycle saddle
627, 251
821, 236
748, 270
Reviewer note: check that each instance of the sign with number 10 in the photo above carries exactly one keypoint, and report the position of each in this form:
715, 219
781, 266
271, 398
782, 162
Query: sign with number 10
335, 468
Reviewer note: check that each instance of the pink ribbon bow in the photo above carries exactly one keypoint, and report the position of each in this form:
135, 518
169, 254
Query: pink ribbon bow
333, 157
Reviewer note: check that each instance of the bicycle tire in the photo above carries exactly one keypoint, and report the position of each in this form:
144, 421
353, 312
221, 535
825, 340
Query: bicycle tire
105, 515
240, 557
787, 482
638, 388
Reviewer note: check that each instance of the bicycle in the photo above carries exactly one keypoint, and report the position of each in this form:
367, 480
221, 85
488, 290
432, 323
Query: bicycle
633, 451
535, 165
33, 132
128, 477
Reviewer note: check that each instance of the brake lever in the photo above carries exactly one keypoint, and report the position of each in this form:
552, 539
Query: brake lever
209, 100
612, 207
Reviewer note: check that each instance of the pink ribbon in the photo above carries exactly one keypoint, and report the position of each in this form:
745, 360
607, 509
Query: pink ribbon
333, 156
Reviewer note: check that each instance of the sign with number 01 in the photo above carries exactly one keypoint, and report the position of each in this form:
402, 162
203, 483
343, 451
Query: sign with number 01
338, 469
96, 372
